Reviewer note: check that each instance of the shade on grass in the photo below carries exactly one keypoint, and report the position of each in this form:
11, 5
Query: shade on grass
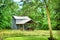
27, 38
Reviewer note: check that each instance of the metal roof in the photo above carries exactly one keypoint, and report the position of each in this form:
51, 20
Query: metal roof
21, 19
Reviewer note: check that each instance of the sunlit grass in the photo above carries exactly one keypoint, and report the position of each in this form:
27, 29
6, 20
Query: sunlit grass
36, 33
27, 38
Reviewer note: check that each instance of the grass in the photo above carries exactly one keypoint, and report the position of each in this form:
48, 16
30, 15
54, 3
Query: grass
26, 38
28, 35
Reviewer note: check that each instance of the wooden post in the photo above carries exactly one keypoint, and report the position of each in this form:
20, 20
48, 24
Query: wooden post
23, 27
19, 26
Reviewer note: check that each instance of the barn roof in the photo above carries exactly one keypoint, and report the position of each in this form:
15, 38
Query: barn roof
22, 19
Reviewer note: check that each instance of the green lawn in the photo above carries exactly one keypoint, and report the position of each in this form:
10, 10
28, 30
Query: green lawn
27, 38
28, 35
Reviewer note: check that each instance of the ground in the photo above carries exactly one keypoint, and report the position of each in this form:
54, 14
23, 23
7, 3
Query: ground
28, 35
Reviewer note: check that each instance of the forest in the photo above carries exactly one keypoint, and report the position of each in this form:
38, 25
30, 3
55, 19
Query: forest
35, 9
45, 13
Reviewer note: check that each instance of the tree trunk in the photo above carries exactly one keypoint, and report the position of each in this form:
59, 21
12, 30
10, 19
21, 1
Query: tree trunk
49, 23
48, 16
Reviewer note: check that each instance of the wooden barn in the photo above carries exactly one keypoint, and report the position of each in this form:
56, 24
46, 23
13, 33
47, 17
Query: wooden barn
21, 22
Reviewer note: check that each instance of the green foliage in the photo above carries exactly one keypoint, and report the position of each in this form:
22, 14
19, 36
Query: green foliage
34, 9
7, 10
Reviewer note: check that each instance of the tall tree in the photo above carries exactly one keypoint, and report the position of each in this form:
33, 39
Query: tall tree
7, 9
48, 16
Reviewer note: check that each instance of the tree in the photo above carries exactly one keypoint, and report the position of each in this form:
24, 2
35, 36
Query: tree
36, 9
48, 16
7, 9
